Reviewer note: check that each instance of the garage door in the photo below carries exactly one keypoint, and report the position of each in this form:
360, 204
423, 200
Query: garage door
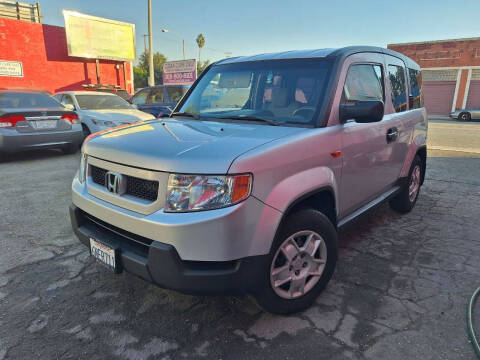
438, 97
438, 90
473, 100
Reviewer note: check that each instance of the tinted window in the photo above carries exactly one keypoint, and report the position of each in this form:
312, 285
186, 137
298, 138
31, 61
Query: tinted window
140, 97
26, 100
396, 74
99, 102
415, 82
363, 82
155, 96
288, 92
175, 93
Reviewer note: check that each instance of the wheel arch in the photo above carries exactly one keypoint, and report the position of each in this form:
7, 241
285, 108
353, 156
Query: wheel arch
321, 199
422, 154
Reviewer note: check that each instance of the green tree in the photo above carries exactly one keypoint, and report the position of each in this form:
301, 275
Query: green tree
201, 44
202, 66
140, 77
158, 60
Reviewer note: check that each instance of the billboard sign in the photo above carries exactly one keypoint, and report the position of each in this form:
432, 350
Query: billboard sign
99, 38
11, 68
183, 72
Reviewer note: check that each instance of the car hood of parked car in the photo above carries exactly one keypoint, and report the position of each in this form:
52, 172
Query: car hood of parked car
183, 146
117, 115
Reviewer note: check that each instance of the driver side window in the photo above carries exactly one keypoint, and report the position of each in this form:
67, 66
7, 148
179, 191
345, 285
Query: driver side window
364, 82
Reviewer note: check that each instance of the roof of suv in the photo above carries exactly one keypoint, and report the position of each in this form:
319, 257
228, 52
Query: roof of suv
318, 53
85, 92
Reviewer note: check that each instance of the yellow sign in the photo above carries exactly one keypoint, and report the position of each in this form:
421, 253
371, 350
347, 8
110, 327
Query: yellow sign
99, 38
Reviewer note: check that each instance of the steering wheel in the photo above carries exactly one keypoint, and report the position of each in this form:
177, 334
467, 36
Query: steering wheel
306, 110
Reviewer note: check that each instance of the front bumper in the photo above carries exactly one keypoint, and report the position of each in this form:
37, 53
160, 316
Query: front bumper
12, 140
160, 263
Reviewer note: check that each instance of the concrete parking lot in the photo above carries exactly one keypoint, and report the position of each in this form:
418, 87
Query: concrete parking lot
400, 290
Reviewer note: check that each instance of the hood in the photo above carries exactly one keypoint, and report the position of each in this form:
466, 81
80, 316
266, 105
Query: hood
182, 146
117, 115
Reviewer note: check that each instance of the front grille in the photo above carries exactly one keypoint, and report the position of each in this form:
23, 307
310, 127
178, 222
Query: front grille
98, 175
140, 188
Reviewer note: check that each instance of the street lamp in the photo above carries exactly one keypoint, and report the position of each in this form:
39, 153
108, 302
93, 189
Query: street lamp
183, 40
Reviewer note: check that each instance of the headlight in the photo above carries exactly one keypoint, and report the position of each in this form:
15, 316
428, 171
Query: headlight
82, 171
205, 192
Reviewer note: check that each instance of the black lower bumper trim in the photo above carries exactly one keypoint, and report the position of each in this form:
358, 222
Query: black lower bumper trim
160, 263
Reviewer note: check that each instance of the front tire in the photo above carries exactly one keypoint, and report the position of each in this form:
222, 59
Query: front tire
464, 116
300, 264
404, 201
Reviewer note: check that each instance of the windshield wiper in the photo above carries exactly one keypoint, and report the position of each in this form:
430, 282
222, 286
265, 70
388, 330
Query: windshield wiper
253, 118
185, 113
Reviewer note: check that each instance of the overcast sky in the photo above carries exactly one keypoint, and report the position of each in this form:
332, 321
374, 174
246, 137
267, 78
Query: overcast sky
256, 26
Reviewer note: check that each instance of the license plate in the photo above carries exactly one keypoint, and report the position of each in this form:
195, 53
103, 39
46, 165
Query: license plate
104, 254
44, 124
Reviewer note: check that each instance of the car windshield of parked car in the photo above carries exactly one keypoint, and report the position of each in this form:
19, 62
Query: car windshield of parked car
17, 100
284, 91
101, 102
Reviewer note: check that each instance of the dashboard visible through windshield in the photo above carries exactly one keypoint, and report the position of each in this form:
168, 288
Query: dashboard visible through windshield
275, 91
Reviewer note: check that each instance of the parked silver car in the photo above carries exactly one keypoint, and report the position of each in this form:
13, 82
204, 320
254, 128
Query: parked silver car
466, 114
100, 110
243, 192
31, 119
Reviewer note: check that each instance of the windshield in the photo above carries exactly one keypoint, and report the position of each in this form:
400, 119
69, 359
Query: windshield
100, 102
285, 91
16, 100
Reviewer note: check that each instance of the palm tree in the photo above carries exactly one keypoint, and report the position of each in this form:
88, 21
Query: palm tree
200, 43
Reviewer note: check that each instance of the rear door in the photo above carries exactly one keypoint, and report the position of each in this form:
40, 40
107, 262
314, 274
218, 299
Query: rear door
400, 116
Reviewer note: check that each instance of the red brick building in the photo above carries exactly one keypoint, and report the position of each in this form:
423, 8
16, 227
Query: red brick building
451, 72
42, 55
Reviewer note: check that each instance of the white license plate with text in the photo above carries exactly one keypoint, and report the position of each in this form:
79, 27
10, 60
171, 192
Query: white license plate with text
103, 253
44, 124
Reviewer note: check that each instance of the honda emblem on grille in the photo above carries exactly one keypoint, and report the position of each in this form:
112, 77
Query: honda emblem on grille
115, 183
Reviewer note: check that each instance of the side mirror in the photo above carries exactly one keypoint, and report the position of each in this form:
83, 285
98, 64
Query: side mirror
362, 111
69, 106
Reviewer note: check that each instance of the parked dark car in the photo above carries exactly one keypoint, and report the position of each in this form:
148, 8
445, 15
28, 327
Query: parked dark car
159, 100
31, 119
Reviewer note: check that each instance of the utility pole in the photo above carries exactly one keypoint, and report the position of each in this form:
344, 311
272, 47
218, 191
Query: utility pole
151, 78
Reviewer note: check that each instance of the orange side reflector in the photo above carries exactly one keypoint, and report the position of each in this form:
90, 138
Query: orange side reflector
336, 154
241, 187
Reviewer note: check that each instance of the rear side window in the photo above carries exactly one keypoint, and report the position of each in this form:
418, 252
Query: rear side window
396, 74
415, 87
67, 99
363, 82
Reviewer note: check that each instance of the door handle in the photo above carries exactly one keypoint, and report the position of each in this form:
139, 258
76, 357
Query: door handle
392, 134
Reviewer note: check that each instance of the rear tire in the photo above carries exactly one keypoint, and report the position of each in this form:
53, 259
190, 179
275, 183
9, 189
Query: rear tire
311, 263
404, 201
464, 116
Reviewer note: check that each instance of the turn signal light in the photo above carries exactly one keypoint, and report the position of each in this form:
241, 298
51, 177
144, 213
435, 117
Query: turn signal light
7, 121
241, 187
72, 118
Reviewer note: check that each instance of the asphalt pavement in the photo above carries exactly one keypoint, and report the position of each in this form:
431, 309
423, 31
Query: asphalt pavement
400, 290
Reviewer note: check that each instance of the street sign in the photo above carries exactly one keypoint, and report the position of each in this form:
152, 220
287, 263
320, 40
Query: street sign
183, 72
98, 38
11, 68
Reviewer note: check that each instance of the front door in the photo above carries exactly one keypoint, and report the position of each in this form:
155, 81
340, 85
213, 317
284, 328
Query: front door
365, 148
